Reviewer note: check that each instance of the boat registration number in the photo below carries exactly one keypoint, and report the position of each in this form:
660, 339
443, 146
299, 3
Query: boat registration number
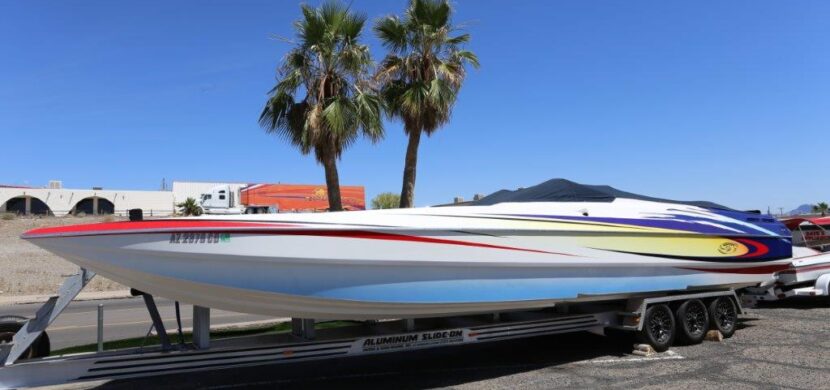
199, 238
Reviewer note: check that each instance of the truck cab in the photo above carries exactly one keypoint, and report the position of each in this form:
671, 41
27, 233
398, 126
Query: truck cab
224, 199
221, 200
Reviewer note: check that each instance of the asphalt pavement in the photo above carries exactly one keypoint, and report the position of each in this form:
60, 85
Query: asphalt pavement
123, 318
785, 345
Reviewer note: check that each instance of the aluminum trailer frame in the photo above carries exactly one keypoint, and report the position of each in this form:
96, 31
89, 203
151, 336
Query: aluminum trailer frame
377, 337
750, 296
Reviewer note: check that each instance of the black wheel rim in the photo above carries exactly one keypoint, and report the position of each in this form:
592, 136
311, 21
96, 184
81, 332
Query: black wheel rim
660, 326
7, 337
725, 314
695, 319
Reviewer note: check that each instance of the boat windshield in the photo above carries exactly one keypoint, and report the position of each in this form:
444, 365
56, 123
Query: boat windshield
812, 236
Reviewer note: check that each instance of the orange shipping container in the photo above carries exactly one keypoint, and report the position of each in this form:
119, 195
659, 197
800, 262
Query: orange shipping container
301, 197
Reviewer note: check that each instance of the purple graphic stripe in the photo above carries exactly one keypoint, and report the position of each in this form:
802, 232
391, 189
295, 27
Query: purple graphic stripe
689, 226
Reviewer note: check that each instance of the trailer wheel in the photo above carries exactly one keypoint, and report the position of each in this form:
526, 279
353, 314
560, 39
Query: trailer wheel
9, 325
724, 316
658, 328
692, 321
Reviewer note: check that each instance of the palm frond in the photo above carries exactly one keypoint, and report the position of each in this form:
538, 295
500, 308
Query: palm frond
469, 57
332, 13
355, 59
458, 40
337, 116
451, 71
370, 114
390, 68
351, 26
433, 13
311, 30
392, 33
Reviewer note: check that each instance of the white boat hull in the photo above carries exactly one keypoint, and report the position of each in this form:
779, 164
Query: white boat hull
417, 263
807, 265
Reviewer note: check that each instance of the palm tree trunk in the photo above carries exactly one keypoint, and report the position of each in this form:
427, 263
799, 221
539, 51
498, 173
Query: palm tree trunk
332, 182
410, 166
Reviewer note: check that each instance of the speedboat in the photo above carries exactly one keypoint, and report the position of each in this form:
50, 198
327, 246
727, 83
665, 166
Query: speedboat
808, 273
811, 250
536, 247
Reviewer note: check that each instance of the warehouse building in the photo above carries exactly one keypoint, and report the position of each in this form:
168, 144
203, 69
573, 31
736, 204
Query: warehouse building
58, 201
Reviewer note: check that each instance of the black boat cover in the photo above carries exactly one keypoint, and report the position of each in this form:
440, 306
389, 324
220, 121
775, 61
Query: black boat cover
561, 190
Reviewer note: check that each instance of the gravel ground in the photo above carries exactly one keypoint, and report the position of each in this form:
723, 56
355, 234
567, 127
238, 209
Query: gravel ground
781, 346
28, 269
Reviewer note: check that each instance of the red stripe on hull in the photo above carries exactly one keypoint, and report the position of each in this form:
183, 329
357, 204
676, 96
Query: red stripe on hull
760, 249
149, 226
400, 237
763, 269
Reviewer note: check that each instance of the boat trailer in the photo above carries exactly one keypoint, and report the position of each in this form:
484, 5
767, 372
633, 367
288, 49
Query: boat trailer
303, 343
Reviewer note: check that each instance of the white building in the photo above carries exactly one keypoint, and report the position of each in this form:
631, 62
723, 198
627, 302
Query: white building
194, 189
60, 202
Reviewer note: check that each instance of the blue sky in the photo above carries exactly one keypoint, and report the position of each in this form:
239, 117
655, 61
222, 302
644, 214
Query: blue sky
688, 100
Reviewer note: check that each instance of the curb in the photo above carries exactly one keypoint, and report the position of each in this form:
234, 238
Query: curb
234, 326
88, 296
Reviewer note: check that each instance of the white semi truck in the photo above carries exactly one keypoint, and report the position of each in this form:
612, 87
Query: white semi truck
273, 198
223, 199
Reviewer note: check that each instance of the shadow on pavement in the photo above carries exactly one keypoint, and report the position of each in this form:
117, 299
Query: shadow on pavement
428, 368
802, 303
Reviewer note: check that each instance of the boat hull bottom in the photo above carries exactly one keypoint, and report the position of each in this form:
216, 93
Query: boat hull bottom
286, 305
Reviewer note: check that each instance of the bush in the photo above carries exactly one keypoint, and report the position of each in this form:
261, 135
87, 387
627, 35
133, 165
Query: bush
189, 208
386, 200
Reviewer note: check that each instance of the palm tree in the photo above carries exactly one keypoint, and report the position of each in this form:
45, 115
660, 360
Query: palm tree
821, 208
322, 101
386, 200
421, 76
189, 207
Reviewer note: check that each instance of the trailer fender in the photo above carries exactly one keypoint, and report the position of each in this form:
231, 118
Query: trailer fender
823, 285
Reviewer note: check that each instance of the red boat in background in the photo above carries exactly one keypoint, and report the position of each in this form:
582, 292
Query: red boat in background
809, 272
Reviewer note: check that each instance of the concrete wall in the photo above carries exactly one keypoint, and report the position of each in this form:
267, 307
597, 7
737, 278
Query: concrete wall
62, 201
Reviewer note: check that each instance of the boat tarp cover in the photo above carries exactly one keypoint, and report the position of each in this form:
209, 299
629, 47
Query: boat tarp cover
562, 190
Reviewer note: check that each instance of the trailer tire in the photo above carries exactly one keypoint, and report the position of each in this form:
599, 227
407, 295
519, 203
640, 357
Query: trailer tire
658, 328
9, 325
42, 346
692, 318
723, 316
